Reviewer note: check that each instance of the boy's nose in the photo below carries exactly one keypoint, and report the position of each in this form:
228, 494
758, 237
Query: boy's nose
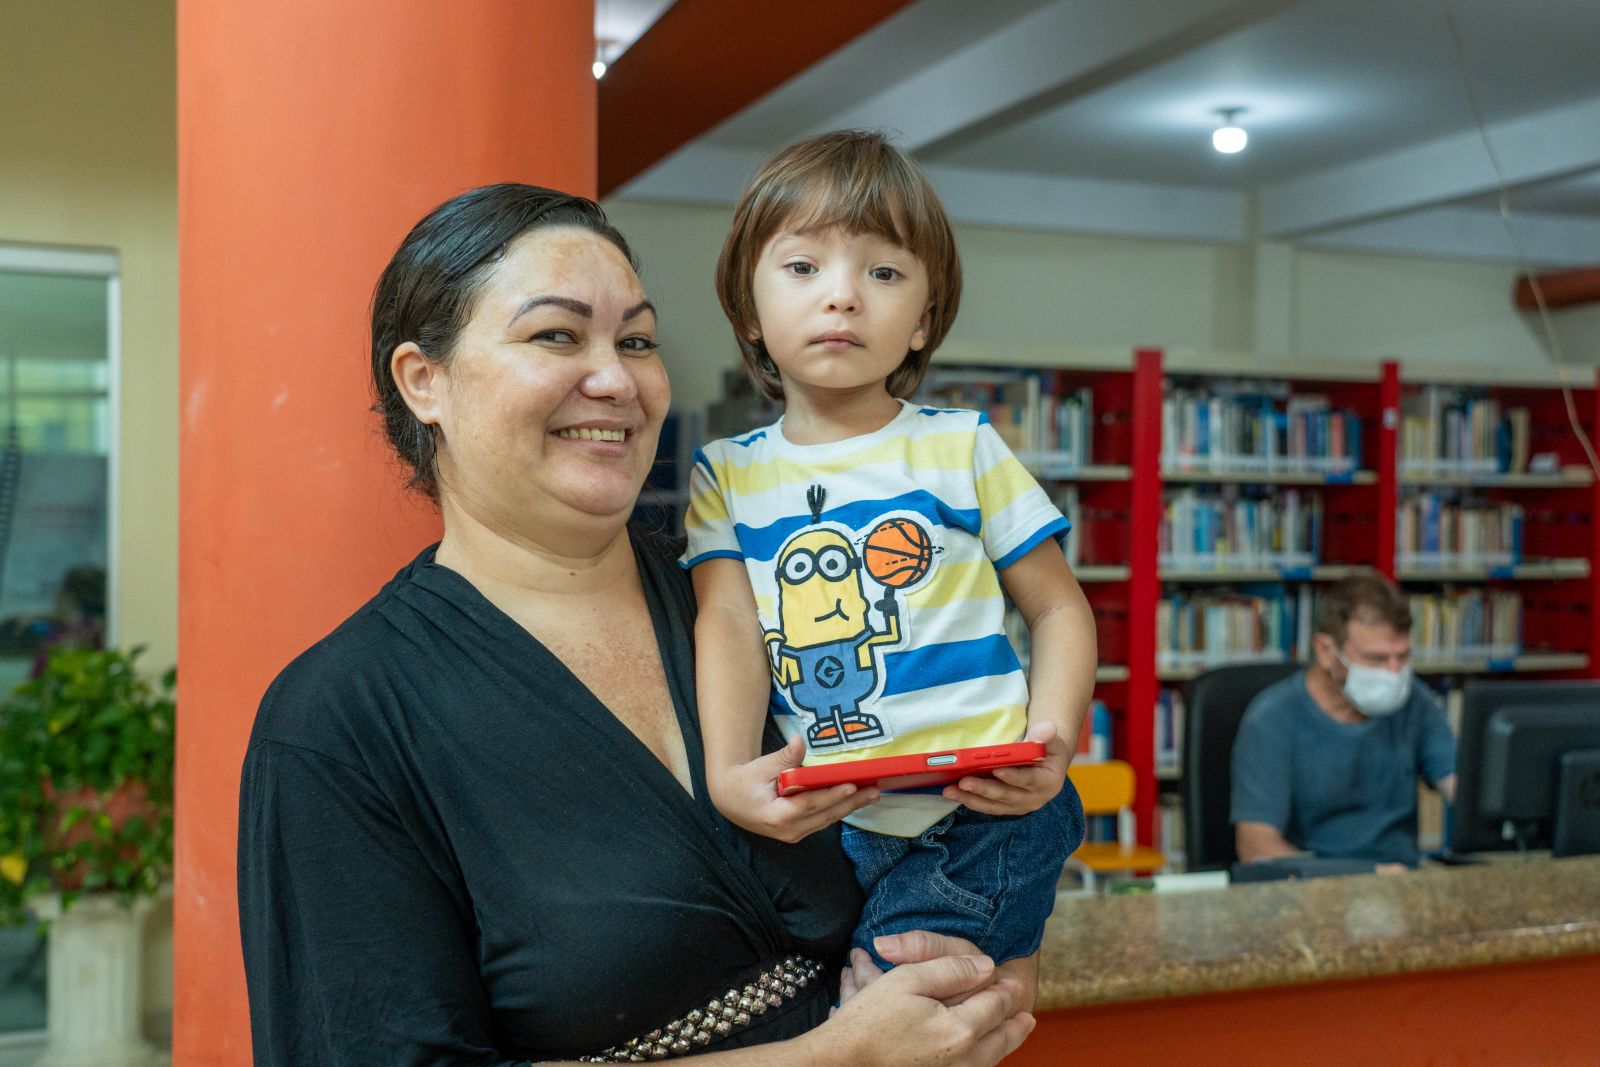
843, 300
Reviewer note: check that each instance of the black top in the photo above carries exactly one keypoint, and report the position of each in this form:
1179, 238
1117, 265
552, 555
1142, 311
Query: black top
451, 853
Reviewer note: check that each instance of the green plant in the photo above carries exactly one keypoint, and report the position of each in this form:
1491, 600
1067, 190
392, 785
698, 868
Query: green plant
86, 772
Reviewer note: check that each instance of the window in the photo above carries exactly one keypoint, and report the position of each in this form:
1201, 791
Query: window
57, 429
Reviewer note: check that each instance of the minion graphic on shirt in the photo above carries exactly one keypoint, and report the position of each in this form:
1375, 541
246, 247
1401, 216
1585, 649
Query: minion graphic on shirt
822, 653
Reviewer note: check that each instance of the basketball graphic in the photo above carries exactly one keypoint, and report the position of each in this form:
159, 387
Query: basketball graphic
897, 553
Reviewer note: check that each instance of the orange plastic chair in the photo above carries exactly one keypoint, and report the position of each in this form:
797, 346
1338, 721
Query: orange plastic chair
1106, 788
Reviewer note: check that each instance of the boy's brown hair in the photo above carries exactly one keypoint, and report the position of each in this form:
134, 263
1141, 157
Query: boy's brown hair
1369, 598
851, 180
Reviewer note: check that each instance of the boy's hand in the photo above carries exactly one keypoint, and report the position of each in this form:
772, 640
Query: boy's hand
747, 793
1017, 790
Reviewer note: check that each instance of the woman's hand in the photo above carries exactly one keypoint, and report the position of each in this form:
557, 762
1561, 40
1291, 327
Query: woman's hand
914, 946
906, 1017
1018, 790
747, 794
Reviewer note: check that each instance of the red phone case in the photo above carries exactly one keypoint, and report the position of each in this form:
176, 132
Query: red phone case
914, 771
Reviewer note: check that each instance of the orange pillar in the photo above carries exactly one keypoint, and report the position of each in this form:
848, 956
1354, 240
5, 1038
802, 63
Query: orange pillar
311, 135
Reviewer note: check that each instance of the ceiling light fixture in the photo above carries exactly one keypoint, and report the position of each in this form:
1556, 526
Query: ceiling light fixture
1229, 138
602, 47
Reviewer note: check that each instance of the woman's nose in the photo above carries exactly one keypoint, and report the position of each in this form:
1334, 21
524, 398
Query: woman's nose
609, 377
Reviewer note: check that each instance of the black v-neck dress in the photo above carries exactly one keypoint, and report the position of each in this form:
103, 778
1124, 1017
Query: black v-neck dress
451, 853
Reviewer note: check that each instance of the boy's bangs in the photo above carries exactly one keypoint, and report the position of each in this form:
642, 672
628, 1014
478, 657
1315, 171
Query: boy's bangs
874, 208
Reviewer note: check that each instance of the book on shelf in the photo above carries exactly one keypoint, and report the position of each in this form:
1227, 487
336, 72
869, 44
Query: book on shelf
1066, 498
1211, 628
1255, 428
1432, 529
1460, 624
1169, 731
1047, 424
1226, 529
1169, 830
1447, 430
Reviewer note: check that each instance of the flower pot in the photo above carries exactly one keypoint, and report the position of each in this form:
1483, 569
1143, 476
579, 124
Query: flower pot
95, 999
120, 805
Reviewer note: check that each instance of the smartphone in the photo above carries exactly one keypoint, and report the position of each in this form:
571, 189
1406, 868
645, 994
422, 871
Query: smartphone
912, 772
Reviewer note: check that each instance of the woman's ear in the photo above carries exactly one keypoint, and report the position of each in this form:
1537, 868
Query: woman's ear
421, 381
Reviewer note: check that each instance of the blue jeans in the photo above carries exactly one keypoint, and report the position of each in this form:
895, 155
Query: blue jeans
988, 878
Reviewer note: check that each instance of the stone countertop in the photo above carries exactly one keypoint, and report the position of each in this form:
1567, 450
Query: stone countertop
1136, 947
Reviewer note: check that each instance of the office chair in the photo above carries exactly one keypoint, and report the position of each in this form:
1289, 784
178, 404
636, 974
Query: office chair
1106, 787
1214, 704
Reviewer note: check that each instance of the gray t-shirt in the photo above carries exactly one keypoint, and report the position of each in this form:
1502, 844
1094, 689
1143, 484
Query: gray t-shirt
1346, 790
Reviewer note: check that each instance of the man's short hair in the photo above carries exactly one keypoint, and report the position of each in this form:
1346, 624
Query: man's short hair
1369, 598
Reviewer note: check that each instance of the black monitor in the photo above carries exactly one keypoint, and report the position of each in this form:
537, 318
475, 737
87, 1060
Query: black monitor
1528, 768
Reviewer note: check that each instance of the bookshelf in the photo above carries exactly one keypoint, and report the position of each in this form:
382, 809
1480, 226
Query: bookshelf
1311, 479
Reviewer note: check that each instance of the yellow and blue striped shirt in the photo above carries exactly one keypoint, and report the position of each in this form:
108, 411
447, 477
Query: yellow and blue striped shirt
940, 673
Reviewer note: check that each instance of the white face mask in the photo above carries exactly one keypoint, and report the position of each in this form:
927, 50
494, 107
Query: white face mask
1374, 690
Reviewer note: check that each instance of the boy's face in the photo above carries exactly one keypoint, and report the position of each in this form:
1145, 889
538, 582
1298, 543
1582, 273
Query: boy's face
839, 311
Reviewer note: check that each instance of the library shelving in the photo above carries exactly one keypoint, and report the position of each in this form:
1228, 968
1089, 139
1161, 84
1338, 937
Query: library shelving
1208, 507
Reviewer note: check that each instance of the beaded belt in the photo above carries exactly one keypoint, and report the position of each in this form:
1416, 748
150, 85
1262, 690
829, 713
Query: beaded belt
720, 1017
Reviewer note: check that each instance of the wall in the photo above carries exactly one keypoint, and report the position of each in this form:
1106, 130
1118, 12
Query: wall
89, 129
1067, 298
88, 122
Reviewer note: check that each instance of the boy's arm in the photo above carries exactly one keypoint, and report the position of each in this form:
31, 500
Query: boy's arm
733, 679
1062, 635
1060, 682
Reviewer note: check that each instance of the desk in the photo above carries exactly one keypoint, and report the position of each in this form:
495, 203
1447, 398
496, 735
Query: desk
1492, 963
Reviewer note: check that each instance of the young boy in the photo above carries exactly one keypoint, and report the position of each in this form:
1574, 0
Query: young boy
849, 559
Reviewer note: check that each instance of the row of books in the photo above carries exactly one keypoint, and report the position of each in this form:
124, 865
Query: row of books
1465, 623
1432, 530
1049, 426
1209, 629
1224, 529
1447, 430
1257, 432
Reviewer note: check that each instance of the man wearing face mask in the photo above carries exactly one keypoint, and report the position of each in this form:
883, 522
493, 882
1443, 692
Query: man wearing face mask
1327, 761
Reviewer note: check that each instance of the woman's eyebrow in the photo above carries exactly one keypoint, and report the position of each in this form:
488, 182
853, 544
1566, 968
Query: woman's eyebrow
577, 307
639, 309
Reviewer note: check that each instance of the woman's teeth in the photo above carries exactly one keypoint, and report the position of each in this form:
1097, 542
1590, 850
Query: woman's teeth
586, 434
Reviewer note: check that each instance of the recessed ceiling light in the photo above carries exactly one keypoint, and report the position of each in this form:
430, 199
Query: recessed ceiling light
1229, 138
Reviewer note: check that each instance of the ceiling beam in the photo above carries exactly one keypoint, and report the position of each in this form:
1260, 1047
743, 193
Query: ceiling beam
714, 175
1473, 233
1058, 53
1535, 148
704, 60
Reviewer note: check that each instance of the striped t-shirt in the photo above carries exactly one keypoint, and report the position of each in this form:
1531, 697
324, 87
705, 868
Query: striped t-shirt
874, 561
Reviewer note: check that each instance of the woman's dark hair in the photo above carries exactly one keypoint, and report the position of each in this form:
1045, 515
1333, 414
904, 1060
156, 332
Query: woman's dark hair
427, 292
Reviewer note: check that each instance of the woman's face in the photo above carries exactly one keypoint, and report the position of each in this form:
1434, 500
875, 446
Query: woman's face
552, 402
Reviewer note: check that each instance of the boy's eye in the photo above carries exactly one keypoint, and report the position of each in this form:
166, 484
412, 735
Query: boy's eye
886, 274
800, 268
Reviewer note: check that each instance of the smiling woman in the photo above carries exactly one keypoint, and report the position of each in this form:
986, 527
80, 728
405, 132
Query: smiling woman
474, 827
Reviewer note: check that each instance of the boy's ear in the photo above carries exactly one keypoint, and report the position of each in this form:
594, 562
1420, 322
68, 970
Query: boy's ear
919, 336
421, 381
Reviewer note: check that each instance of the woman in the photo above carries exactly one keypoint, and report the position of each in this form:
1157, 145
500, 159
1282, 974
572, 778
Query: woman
473, 819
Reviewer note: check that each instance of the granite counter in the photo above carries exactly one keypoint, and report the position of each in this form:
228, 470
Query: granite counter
1129, 948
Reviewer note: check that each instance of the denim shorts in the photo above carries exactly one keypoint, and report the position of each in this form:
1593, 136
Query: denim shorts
988, 878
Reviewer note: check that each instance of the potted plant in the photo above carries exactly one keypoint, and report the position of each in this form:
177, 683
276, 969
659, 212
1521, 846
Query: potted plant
86, 777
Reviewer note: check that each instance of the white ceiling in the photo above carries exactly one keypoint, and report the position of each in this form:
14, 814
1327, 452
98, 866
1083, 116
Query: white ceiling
1096, 114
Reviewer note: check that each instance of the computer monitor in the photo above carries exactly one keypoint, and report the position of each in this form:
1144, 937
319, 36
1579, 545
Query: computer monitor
1528, 768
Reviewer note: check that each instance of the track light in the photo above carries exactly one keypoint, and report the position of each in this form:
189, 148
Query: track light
1229, 138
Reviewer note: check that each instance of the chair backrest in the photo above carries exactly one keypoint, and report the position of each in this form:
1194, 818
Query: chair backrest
1214, 703
1104, 786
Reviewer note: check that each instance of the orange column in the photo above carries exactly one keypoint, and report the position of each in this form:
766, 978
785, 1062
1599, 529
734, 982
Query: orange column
311, 136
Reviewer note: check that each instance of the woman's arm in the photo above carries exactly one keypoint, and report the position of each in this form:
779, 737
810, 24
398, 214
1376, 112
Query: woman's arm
1060, 682
944, 1012
733, 680
355, 951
